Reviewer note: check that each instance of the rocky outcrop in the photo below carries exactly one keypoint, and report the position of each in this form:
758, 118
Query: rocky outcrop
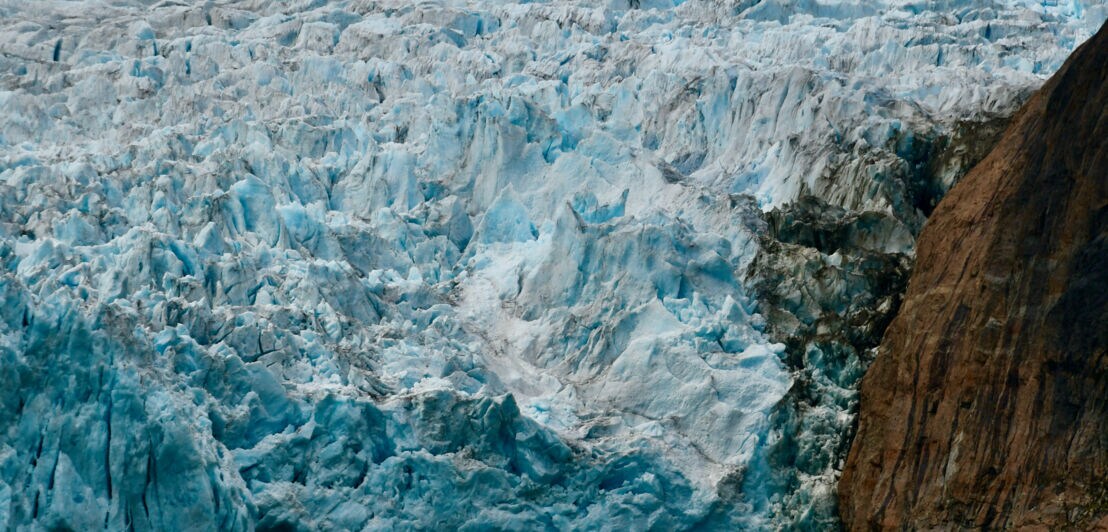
829, 281
987, 406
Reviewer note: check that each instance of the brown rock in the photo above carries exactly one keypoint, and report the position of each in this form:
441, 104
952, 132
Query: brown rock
987, 406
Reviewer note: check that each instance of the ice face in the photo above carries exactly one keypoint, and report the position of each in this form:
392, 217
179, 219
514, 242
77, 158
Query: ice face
379, 265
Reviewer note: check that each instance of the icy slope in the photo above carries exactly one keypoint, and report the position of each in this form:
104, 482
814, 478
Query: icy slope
389, 265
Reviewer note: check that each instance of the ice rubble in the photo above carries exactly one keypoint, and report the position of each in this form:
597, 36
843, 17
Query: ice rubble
311, 265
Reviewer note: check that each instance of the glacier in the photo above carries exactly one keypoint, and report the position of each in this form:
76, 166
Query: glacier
362, 265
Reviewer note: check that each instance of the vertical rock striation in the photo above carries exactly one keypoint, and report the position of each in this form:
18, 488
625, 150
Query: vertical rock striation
987, 405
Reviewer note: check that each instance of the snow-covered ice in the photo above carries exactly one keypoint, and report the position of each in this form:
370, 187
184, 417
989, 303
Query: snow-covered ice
445, 264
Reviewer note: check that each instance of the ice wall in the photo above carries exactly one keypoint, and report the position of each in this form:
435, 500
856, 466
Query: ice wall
384, 265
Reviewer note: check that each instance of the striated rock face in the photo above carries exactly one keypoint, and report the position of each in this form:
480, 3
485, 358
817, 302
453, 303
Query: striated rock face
987, 405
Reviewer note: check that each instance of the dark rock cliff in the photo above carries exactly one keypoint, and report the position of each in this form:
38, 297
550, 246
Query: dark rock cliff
987, 406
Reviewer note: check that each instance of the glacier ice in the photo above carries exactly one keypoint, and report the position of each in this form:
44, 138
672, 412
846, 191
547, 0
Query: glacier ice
388, 265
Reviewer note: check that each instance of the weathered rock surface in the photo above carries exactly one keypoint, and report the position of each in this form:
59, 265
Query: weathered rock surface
987, 406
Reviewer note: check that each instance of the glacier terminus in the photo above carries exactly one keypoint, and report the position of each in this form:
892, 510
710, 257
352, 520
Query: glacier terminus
469, 264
